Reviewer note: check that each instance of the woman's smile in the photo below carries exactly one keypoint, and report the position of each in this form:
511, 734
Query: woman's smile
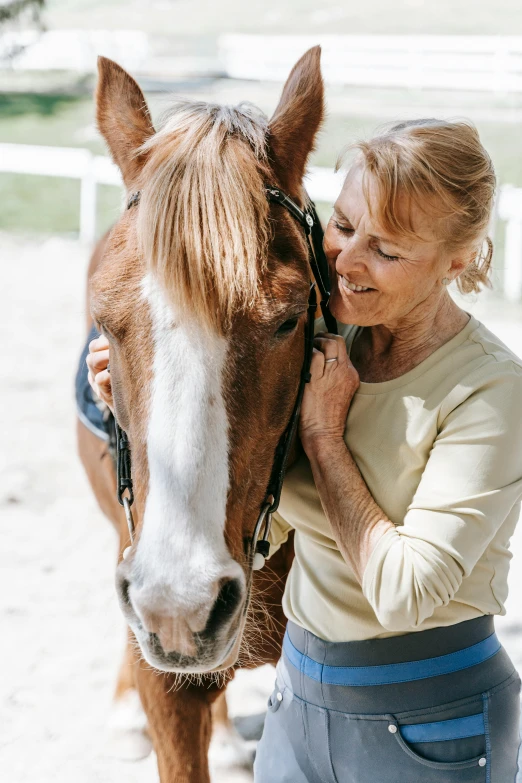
353, 288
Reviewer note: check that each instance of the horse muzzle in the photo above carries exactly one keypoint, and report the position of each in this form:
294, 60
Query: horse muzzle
177, 632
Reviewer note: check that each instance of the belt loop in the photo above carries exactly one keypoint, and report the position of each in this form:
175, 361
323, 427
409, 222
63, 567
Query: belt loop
485, 702
303, 675
323, 661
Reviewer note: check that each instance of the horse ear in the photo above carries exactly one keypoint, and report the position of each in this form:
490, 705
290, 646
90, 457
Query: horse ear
296, 120
123, 118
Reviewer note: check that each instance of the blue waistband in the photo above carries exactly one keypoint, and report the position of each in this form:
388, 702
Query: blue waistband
394, 672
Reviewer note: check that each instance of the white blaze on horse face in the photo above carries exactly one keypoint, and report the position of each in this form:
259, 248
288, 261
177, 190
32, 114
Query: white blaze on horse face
181, 556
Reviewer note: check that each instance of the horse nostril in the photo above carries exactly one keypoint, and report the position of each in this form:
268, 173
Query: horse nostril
124, 585
227, 602
230, 595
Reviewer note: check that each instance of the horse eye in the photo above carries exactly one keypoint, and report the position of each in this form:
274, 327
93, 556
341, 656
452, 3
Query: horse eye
288, 326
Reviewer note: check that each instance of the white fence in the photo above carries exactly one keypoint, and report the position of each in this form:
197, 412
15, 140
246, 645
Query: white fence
455, 62
510, 210
322, 184
72, 50
77, 51
471, 62
91, 170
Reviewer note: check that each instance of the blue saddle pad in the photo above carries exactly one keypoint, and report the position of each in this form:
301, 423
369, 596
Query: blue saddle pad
92, 412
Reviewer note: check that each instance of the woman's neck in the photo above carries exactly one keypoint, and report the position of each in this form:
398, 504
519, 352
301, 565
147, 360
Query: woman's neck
386, 351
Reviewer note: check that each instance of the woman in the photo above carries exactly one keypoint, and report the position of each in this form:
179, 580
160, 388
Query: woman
409, 492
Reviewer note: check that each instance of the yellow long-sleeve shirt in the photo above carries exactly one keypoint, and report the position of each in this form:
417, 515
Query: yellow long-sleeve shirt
440, 449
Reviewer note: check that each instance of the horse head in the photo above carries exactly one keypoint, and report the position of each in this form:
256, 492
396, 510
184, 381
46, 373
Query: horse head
203, 295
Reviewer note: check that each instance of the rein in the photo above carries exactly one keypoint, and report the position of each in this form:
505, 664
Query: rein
257, 547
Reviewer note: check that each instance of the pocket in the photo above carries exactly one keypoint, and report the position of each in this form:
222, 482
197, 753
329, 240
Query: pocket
449, 738
452, 753
369, 748
449, 741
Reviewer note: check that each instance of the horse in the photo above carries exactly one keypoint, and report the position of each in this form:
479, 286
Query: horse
202, 289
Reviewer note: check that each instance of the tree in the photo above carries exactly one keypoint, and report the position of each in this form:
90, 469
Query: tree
15, 9
16, 18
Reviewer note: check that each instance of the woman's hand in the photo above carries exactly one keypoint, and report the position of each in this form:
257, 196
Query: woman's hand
99, 376
328, 396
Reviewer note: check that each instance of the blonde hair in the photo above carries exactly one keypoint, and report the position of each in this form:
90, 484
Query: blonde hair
203, 218
439, 166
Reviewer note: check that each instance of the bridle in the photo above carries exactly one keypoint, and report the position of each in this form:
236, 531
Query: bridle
257, 547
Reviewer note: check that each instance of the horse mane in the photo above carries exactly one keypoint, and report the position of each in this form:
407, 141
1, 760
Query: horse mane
203, 218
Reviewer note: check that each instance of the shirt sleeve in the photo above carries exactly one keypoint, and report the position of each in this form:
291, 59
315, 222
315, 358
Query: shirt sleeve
471, 482
279, 532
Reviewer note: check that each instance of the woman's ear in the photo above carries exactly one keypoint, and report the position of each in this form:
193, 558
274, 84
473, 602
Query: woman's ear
461, 261
296, 121
123, 118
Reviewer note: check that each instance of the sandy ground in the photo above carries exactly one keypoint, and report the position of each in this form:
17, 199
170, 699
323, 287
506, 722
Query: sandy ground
62, 633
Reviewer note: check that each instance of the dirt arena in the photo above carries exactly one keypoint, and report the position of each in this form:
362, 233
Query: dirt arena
62, 632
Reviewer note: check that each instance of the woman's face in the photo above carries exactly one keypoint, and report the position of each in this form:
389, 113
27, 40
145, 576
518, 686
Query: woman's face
400, 274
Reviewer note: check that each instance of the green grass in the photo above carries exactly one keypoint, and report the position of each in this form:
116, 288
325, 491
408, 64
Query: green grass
48, 204
57, 120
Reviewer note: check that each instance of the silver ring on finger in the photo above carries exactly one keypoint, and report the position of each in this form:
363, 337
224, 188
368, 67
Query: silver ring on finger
335, 359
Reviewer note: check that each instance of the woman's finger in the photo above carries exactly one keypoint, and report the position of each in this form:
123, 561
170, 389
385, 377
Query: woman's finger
318, 357
328, 348
317, 364
103, 379
103, 387
332, 345
98, 361
99, 343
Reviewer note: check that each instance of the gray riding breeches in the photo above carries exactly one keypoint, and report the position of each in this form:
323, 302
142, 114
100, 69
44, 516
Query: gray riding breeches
437, 706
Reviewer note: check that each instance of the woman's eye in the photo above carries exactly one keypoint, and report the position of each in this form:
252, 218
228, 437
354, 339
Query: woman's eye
383, 255
288, 326
343, 229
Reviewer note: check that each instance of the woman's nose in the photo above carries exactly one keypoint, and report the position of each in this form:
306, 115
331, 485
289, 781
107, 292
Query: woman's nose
341, 247
348, 257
